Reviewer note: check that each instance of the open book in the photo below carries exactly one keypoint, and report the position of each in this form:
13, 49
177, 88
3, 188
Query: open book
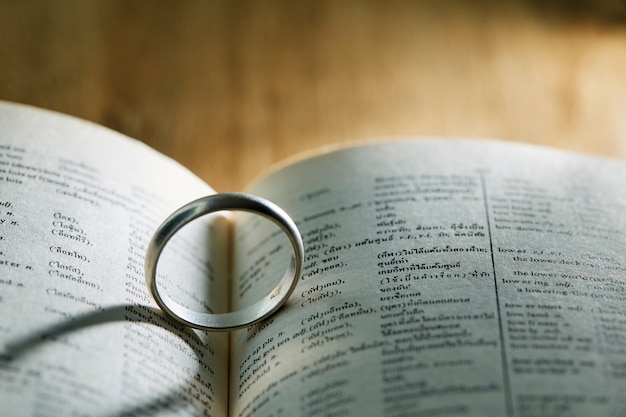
442, 278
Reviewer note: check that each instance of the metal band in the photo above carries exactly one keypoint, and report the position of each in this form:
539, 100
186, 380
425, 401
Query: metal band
250, 314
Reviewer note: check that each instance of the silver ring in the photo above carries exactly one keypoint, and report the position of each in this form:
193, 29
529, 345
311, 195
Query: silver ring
252, 313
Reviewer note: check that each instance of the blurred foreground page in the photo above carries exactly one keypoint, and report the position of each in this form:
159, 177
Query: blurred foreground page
79, 333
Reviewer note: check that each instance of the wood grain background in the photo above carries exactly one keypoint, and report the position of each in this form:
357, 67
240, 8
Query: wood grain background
229, 87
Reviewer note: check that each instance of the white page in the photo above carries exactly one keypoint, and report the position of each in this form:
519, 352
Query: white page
78, 204
444, 278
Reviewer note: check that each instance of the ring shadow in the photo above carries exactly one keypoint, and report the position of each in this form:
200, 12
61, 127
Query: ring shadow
121, 313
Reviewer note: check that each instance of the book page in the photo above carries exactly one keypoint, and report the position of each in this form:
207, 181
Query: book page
79, 332
441, 278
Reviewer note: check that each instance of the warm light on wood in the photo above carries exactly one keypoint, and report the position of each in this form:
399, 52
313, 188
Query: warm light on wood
229, 88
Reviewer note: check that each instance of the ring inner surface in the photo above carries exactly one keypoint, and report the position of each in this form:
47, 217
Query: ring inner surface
239, 265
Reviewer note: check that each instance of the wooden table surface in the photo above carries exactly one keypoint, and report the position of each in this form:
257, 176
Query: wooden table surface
230, 87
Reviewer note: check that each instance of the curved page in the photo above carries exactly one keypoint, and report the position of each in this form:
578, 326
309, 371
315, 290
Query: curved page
441, 278
79, 333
